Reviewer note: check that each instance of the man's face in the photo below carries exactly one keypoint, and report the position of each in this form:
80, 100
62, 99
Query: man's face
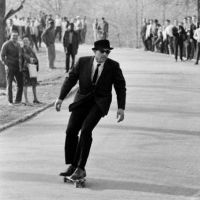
175, 22
194, 19
14, 37
189, 20
101, 55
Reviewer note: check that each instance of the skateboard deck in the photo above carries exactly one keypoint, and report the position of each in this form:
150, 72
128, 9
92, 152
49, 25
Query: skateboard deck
80, 183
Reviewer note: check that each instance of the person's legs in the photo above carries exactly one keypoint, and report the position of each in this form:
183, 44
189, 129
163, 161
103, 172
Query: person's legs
10, 77
176, 48
25, 95
19, 79
181, 49
54, 54
85, 141
35, 99
198, 53
67, 61
60, 33
73, 60
74, 125
36, 42
51, 55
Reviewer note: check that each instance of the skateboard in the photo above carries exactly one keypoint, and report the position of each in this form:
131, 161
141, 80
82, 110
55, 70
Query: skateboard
80, 183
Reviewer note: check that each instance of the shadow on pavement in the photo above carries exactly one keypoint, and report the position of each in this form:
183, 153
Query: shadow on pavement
106, 184
150, 129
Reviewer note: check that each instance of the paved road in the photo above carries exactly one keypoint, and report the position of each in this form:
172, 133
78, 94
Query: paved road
152, 155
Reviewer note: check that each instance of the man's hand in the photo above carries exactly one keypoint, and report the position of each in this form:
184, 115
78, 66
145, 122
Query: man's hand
120, 115
65, 49
58, 104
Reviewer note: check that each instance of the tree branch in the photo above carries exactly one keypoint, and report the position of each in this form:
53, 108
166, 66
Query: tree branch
12, 11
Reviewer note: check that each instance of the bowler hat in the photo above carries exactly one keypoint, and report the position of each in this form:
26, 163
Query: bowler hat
102, 44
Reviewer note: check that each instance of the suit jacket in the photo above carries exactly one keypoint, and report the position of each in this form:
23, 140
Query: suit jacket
102, 91
75, 41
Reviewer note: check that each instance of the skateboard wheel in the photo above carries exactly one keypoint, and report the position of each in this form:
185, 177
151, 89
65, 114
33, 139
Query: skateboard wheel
65, 179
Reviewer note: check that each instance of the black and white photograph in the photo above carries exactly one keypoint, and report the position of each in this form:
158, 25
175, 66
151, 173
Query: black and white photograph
99, 100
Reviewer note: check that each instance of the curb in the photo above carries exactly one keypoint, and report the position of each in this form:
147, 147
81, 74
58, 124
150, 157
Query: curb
31, 115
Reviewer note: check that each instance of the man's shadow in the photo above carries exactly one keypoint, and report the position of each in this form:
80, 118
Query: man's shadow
103, 184
108, 184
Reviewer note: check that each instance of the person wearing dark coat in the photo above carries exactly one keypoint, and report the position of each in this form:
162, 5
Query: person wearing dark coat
180, 36
96, 75
71, 44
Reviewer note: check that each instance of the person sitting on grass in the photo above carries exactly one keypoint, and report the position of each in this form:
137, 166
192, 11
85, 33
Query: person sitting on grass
27, 57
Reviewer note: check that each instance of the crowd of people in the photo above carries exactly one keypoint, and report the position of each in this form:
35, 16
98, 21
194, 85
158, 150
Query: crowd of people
33, 27
31, 32
100, 30
180, 38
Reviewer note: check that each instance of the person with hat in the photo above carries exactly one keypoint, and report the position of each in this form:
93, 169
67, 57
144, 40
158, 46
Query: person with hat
96, 75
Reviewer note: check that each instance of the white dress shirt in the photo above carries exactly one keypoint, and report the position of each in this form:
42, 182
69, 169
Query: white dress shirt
197, 35
94, 68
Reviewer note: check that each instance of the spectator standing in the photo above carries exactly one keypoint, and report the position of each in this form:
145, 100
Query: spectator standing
28, 30
96, 29
16, 23
27, 57
154, 33
105, 27
48, 38
169, 34
159, 40
84, 30
197, 38
10, 58
193, 43
78, 27
65, 24
58, 27
70, 43
149, 35
179, 37
186, 26
143, 33
34, 34
10, 28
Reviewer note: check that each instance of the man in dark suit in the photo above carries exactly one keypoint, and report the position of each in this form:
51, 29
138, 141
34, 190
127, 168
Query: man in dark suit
70, 43
96, 75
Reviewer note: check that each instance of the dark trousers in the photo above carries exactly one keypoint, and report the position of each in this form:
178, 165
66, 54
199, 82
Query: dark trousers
59, 32
193, 48
39, 38
187, 46
34, 42
170, 45
198, 52
144, 43
178, 44
83, 119
68, 54
11, 76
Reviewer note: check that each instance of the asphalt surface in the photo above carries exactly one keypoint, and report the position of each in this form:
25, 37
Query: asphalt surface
152, 155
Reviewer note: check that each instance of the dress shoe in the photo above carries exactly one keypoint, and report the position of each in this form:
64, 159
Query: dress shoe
78, 174
70, 170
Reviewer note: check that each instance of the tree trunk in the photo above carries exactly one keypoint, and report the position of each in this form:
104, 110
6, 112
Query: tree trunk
2, 39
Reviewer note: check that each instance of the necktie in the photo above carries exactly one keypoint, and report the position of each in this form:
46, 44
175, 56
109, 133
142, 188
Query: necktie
96, 74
